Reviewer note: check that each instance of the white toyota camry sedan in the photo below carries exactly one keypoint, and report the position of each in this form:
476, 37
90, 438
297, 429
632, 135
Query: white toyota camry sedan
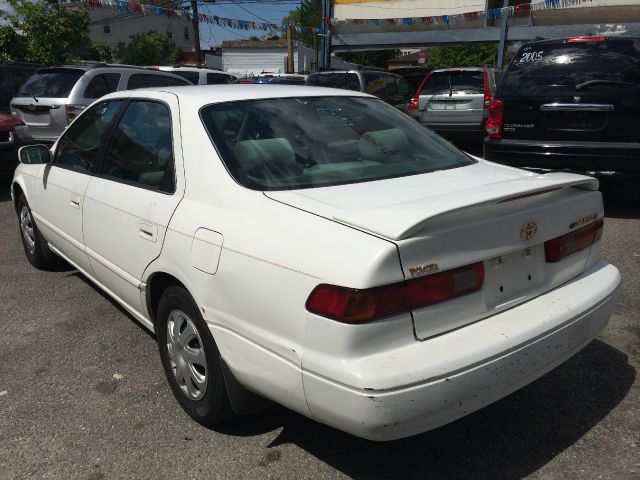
319, 249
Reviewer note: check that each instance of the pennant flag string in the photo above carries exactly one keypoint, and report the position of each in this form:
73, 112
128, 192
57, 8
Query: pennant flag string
492, 13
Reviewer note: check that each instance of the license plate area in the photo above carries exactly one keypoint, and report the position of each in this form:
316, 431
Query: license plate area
514, 275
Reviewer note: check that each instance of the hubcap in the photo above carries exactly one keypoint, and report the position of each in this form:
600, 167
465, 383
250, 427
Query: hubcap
26, 226
186, 355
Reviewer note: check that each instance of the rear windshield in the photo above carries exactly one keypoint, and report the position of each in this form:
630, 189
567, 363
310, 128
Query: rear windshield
542, 68
52, 84
345, 81
440, 83
291, 143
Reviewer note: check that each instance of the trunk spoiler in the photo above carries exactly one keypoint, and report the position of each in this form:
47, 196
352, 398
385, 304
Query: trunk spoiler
397, 222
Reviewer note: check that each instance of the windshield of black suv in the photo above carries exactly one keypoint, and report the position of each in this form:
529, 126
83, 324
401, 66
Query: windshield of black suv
54, 83
291, 143
572, 67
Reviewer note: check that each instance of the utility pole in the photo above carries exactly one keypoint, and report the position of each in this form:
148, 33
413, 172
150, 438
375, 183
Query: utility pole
290, 64
503, 34
196, 31
323, 29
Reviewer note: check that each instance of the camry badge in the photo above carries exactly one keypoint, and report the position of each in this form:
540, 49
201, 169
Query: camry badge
584, 220
528, 230
424, 268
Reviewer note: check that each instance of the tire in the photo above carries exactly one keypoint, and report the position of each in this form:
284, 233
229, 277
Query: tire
191, 359
34, 244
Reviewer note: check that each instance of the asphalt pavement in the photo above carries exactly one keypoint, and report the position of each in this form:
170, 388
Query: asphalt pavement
83, 396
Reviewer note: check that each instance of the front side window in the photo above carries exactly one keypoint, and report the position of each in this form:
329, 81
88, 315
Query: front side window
193, 77
148, 80
101, 85
141, 150
219, 78
290, 143
79, 146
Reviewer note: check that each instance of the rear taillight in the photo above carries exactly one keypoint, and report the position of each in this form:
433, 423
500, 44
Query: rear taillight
560, 247
349, 305
586, 39
487, 90
9, 123
493, 126
414, 103
73, 111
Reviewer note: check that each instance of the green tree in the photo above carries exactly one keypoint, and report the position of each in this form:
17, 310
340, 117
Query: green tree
12, 45
308, 14
475, 55
51, 33
151, 48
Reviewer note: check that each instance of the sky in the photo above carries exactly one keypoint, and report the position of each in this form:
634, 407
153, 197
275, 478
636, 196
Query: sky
271, 10
259, 11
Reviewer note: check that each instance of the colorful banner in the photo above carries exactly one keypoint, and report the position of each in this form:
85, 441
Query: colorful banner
492, 13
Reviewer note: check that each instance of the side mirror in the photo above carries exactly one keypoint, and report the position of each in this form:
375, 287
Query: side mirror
35, 155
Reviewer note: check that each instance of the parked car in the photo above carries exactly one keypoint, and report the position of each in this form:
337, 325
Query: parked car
570, 104
391, 88
200, 76
282, 79
455, 101
13, 134
12, 76
52, 97
320, 249
413, 75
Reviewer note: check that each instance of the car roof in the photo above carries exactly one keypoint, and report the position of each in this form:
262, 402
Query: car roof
163, 68
460, 69
564, 40
200, 95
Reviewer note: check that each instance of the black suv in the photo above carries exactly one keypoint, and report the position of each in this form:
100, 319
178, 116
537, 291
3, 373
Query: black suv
571, 104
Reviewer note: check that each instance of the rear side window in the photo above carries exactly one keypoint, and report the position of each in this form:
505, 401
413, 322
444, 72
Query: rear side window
193, 77
219, 78
345, 81
52, 84
101, 85
404, 90
566, 67
147, 80
141, 150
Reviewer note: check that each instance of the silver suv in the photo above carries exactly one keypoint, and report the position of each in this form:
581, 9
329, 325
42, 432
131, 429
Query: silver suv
455, 101
391, 88
52, 97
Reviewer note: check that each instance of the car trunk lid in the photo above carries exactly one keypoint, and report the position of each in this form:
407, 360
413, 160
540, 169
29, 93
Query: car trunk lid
500, 220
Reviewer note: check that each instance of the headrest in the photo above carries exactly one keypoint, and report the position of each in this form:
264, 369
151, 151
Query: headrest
382, 144
272, 154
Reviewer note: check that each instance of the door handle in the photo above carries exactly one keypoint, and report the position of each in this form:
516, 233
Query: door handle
148, 231
74, 200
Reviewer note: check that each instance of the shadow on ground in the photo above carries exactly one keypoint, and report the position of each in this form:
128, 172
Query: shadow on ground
509, 439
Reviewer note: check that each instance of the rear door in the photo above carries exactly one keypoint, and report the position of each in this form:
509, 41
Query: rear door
574, 91
453, 97
129, 204
41, 101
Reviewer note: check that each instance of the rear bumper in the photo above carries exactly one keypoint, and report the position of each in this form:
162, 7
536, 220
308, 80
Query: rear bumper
500, 355
595, 158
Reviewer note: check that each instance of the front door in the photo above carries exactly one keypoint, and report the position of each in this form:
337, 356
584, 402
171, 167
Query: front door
61, 186
129, 204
